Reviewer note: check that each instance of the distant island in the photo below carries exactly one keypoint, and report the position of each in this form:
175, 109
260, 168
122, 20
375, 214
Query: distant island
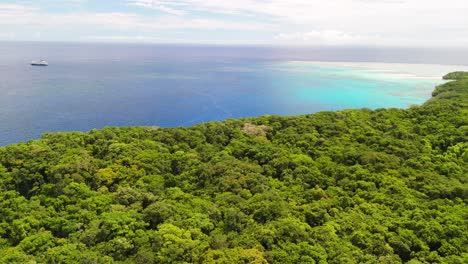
351, 186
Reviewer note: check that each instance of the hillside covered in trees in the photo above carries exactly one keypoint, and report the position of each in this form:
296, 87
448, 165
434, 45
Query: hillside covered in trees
352, 186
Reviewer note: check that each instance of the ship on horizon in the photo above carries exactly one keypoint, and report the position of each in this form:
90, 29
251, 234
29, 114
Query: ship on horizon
39, 63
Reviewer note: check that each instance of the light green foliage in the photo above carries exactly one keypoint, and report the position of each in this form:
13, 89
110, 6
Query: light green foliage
353, 186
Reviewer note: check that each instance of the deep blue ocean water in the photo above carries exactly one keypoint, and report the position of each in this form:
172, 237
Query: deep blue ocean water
91, 86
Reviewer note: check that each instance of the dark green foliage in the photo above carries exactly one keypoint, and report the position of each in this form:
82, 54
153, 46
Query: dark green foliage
353, 186
456, 76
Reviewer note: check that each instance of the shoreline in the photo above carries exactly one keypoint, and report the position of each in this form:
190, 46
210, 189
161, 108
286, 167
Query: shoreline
246, 118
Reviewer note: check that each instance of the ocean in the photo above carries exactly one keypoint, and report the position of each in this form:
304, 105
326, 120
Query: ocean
90, 86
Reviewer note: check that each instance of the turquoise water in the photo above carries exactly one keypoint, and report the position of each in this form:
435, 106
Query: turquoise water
339, 87
92, 86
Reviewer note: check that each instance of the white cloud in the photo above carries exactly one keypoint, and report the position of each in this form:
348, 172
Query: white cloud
123, 38
331, 22
335, 37
163, 6
155, 39
7, 35
355, 21
326, 37
23, 16
300, 10
14, 8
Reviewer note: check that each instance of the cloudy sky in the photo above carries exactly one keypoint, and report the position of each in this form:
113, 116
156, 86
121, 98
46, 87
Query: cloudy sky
282, 22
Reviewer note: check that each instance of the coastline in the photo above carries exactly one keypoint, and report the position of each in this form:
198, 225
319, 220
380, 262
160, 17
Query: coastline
248, 118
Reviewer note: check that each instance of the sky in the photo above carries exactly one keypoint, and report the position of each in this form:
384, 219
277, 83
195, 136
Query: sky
412, 23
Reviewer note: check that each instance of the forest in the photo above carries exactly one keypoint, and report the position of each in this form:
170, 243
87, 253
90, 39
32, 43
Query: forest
351, 186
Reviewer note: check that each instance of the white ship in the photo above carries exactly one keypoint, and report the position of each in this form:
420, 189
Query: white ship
39, 63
